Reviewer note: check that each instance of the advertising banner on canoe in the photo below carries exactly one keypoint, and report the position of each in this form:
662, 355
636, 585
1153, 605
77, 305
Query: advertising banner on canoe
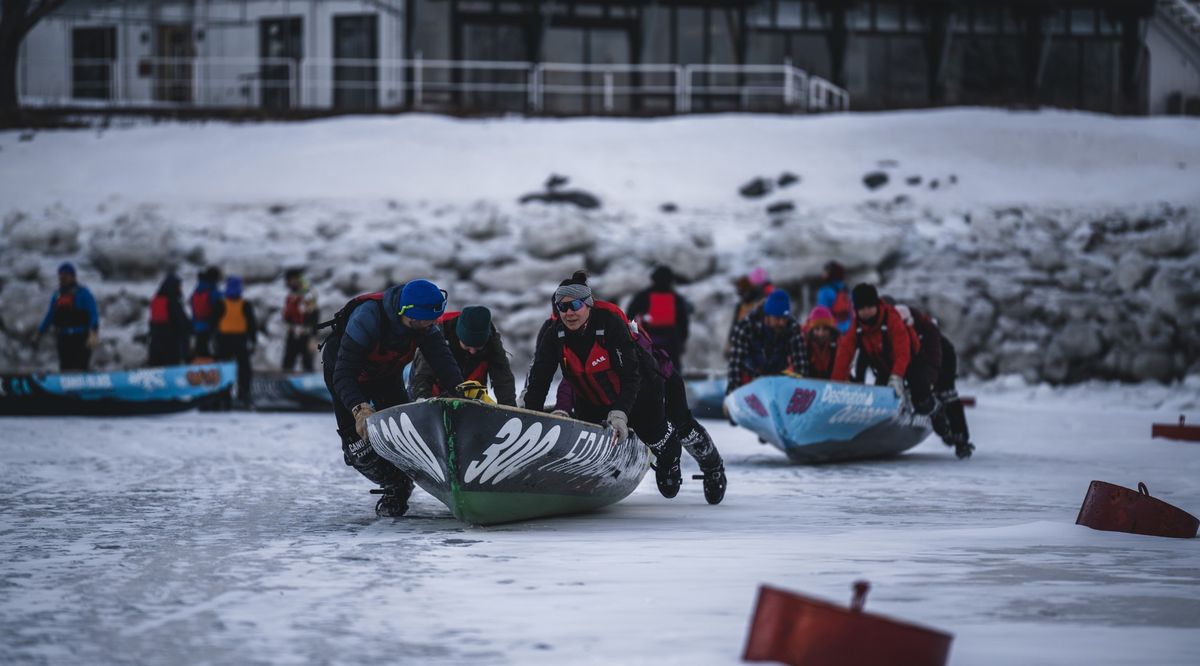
475, 447
141, 391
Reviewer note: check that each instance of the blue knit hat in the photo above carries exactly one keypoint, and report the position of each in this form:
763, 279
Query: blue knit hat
66, 267
778, 304
421, 299
233, 286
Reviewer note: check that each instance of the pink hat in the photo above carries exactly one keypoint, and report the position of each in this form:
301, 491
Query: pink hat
820, 316
758, 277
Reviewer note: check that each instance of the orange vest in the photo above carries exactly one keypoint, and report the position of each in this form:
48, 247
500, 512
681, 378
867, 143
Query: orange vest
233, 321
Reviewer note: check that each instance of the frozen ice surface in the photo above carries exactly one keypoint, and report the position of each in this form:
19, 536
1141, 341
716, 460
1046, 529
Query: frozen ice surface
242, 538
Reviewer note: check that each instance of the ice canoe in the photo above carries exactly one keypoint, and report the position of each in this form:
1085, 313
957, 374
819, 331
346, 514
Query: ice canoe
815, 421
705, 393
283, 392
491, 464
143, 391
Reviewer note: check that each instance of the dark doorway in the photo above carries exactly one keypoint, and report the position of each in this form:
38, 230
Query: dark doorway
93, 54
356, 84
281, 49
173, 63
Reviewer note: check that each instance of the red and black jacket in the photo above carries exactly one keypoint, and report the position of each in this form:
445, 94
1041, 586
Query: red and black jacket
887, 344
600, 361
489, 363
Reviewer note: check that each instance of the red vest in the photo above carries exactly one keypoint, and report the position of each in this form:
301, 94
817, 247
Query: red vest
594, 377
293, 312
160, 313
662, 310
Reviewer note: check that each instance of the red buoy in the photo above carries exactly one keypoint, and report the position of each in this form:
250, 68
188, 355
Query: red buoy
1182, 431
801, 631
1114, 508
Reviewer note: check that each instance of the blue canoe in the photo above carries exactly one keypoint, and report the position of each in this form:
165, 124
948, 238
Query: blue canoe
283, 392
705, 393
816, 421
143, 391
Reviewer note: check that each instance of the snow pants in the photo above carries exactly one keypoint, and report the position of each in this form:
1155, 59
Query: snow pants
73, 352
693, 436
955, 422
383, 393
237, 347
295, 348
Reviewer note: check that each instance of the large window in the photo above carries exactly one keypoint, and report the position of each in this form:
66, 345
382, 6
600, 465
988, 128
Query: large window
93, 54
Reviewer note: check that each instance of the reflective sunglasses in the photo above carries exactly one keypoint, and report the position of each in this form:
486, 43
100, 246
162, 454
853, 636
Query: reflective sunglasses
574, 305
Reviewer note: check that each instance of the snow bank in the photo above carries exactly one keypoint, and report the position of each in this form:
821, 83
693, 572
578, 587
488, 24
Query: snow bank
1057, 246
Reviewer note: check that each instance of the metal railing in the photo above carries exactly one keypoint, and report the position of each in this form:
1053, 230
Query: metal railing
365, 84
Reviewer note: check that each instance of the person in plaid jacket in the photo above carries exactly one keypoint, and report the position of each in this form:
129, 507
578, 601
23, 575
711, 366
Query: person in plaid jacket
768, 341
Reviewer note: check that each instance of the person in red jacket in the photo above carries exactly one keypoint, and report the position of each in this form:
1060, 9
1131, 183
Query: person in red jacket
949, 419
821, 339
888, 346
596, 353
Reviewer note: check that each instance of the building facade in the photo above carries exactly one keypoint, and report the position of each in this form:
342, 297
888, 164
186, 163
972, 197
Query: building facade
621, 56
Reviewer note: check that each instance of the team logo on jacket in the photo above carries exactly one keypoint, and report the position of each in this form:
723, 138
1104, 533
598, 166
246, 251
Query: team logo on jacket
515, 449
599, 360
407, 443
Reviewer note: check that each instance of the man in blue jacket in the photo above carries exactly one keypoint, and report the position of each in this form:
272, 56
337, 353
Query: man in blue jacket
374, 337
75, 319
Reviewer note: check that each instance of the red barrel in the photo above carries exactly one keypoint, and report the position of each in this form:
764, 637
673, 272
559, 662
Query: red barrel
1115, 508
801, 631
1182, 431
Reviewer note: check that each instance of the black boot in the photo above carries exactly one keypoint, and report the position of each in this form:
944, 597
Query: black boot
962, 446
714, 483
394, 500
666, 466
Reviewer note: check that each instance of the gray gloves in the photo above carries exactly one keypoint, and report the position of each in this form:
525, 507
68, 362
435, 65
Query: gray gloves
620, 425
896, 382
361, 411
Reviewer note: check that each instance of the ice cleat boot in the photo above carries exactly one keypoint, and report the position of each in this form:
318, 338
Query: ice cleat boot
963, 448
714, 483
666, 467
394, 500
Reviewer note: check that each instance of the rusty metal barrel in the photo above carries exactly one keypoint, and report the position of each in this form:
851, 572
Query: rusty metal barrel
793, 629
1115, 508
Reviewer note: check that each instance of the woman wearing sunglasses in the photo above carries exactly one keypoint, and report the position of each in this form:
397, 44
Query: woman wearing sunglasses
599, 359
374, 337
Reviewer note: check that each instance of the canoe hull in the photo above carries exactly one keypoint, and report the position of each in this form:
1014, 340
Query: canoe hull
143, 391
817, 421
492, 464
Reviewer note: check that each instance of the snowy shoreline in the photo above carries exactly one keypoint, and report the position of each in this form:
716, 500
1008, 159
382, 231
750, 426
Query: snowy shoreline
1057, 246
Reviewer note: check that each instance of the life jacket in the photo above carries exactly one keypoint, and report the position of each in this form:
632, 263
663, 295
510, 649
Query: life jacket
882, 358
160, 310
662, 310
67, 312
202, 307
593, 378
293, 308
842, 308
821, 357
233, 320
477, 373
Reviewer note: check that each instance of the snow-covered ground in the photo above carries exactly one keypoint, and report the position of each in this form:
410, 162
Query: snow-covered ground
241, 538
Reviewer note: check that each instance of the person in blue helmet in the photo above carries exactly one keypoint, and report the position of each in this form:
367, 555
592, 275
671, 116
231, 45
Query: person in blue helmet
75, 319
373, 338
